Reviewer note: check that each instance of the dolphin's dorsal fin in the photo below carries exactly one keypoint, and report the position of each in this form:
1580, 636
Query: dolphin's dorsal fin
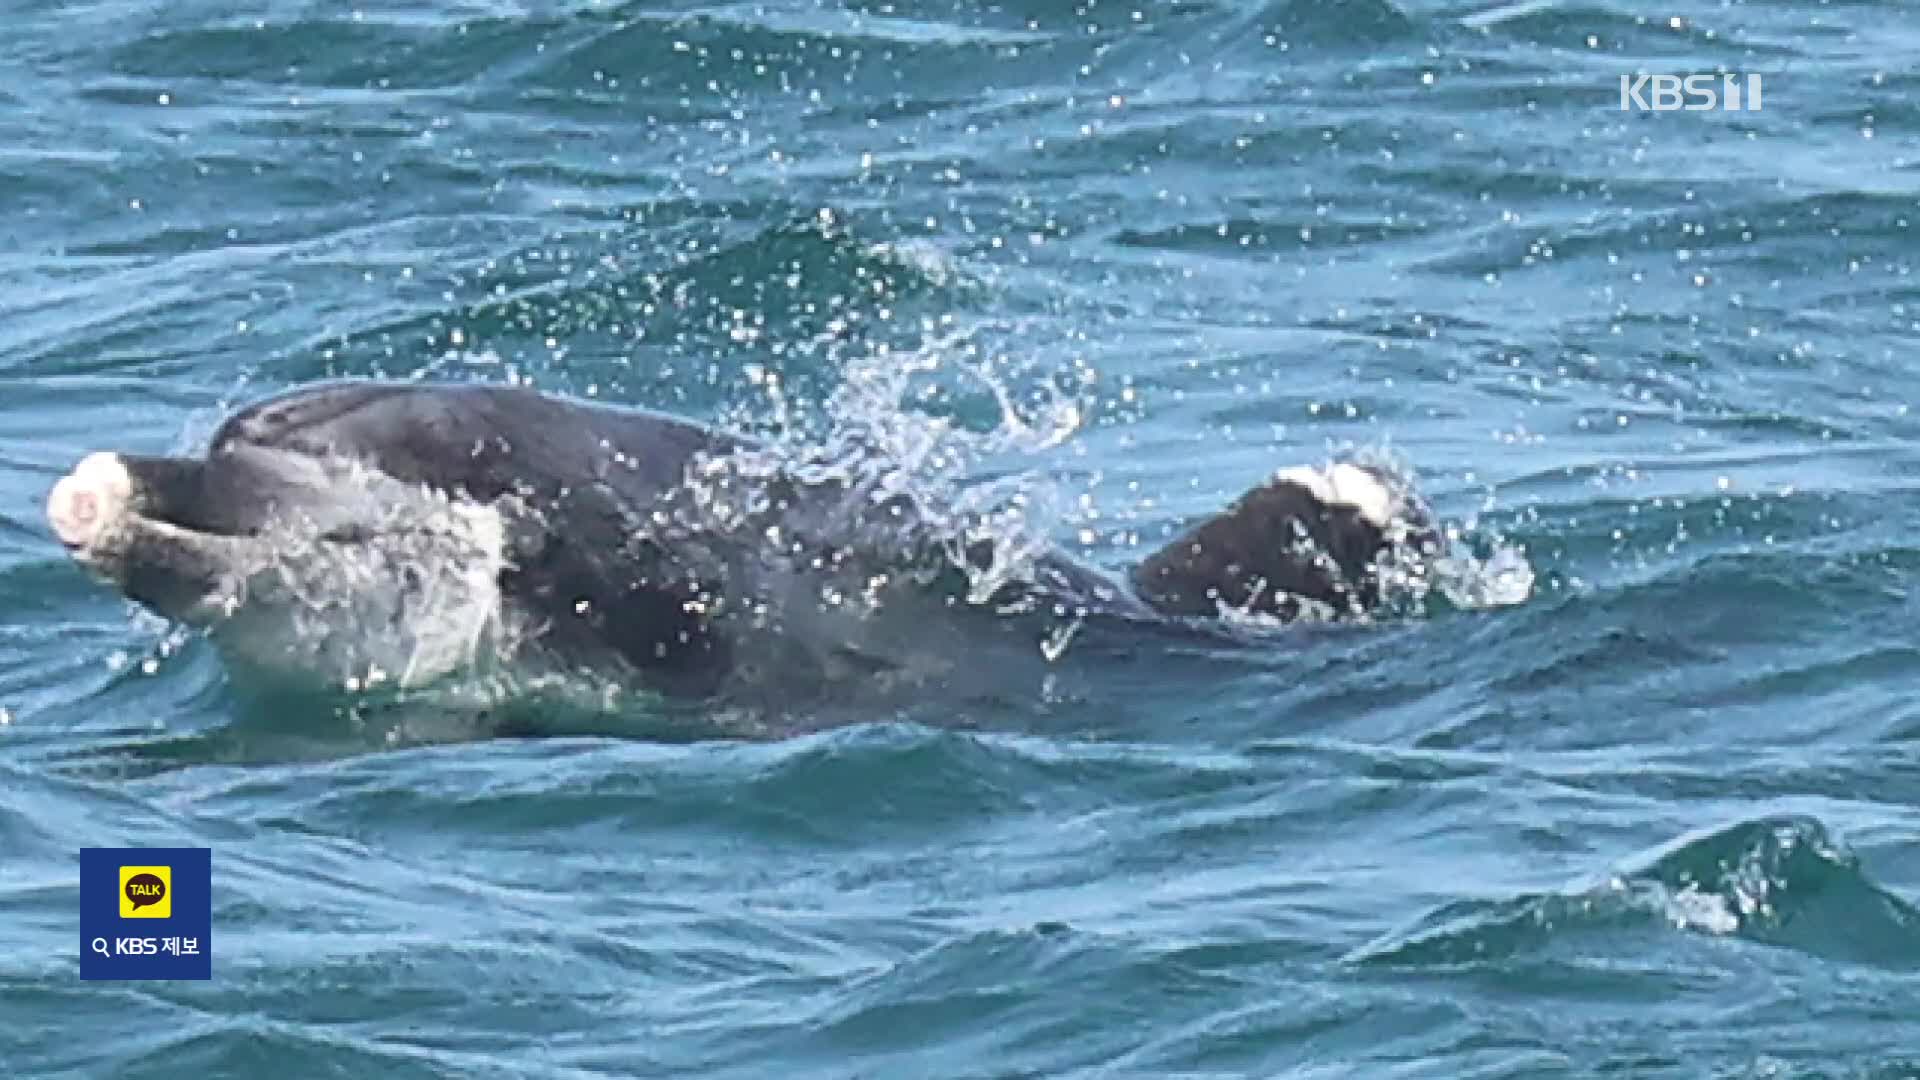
1306, 535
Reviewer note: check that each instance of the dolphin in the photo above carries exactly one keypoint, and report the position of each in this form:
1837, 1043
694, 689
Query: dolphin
367, 533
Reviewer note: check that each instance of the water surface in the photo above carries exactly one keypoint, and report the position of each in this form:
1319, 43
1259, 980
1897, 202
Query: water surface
1657, 820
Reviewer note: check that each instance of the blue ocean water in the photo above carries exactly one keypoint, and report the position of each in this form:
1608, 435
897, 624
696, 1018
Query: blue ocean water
1657, 819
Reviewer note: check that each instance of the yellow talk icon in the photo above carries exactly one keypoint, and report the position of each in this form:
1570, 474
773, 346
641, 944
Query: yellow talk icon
146, 892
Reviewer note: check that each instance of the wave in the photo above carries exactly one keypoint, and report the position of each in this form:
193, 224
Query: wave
1783, 882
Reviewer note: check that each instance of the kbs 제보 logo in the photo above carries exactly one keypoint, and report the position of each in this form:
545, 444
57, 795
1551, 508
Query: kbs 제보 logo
146, 913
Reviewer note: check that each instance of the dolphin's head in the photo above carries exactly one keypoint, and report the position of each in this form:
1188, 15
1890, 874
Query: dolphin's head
304, 564
404, 527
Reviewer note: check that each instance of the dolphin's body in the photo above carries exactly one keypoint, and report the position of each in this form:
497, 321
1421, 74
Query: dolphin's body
366, 533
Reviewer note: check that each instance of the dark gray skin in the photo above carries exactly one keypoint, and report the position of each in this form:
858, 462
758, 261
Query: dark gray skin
608, 557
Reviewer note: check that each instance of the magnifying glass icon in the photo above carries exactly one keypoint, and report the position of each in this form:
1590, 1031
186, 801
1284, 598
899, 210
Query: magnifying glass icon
100, 946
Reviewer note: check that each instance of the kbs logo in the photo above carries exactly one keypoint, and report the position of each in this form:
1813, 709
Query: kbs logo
1692, 93
146, 892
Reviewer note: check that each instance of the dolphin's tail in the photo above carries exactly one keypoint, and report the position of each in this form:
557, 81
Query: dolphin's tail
1305, 539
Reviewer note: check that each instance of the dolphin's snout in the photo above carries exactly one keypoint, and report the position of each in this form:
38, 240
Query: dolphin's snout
86, 502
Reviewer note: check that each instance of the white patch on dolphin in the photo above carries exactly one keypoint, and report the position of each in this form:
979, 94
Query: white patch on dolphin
1346, 484
90, 502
